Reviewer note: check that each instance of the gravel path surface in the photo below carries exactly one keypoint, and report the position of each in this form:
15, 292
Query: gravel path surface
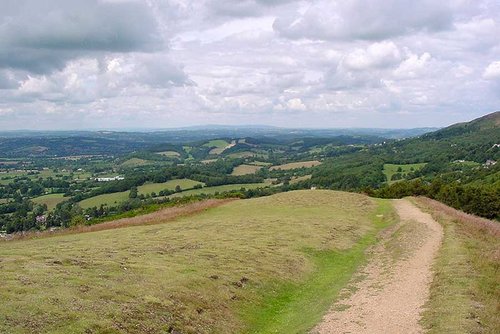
388, 294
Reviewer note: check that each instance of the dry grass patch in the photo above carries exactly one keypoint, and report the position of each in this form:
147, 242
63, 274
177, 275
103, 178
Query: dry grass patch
245, 169
220, 189
170, 154
297, 179
464, 293
295, 165
185, 184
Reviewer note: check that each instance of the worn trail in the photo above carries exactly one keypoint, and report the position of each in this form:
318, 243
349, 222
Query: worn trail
388, 294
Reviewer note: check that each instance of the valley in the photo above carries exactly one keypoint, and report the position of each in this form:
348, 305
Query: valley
253, 235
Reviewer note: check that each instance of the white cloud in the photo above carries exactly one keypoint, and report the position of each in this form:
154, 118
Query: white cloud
376, 55
492, 71
296, 104
413, 66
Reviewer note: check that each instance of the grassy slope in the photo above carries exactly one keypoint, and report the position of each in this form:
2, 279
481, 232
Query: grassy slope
246, 154
391, 169
106, 199
51, 200
219, 143
171, 154
169, 185
220, 189
134, 162
245, 169
297, 179
295, 307
251, 265
294, 165
464, 293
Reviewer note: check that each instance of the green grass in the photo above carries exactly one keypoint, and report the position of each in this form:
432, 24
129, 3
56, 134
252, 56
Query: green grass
220, 189
249, 266
148, 188
245, 169
219, 143
391, 169
106, 199
295, 307
220, 146
464, 295
51, 200
43, 174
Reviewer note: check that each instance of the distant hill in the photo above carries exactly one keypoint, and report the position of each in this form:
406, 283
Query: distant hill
457, 165
476, 140
485, 124
454, 152
20, 144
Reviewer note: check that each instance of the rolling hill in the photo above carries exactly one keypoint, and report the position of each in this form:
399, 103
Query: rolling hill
226, 270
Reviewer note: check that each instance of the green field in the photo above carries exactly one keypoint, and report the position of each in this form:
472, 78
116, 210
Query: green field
219, 143
105, 199
51, 200
391, 169
8, 177
295, 165
219, 146
267, 265
245, 169
169, 185
220, 189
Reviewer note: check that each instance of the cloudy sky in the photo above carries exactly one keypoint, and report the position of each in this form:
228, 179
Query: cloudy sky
97, 64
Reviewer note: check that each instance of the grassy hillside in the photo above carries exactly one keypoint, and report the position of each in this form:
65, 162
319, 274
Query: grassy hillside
464, 295
148, 188
260, 265
220, 189
295, 165
50, 200
111, 199
245, 169
392, 169
472, 141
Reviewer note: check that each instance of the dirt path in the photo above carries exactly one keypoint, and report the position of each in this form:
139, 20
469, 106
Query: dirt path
388, 294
